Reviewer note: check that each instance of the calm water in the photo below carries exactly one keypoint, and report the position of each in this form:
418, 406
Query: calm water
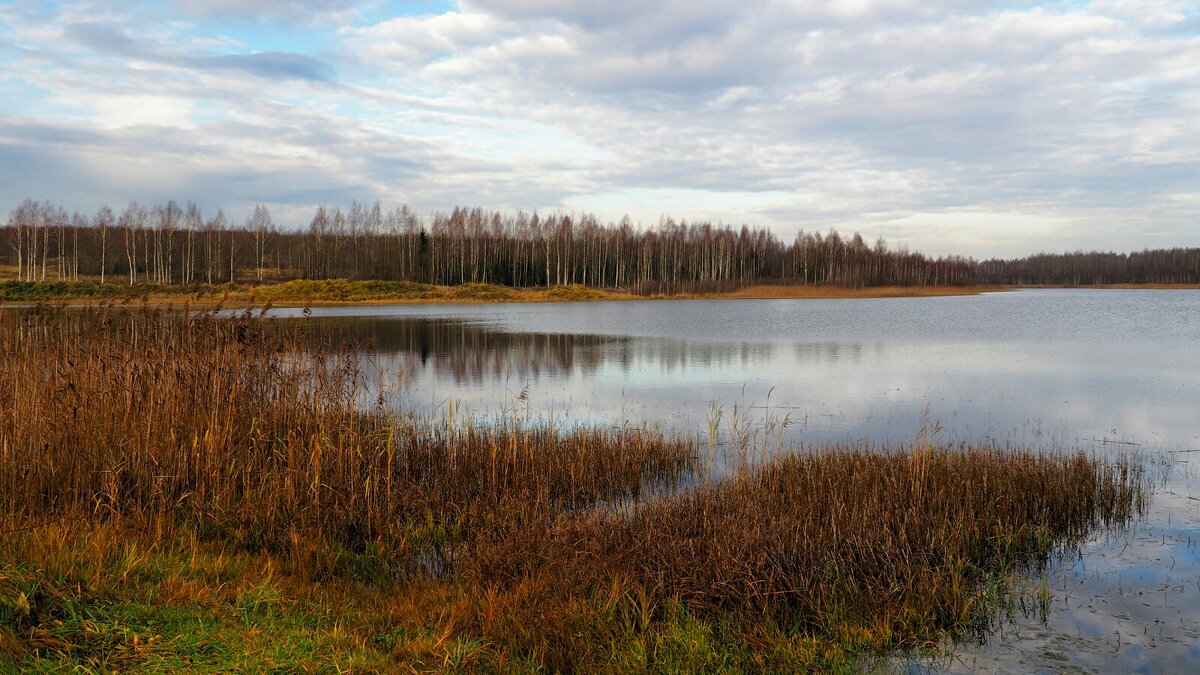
1102, 370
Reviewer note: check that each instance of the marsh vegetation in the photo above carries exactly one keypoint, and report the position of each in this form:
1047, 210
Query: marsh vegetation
183, 489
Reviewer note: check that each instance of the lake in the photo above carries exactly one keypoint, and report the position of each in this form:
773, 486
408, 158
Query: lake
1103, 370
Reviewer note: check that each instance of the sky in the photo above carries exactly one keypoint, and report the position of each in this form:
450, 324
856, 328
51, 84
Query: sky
950, 126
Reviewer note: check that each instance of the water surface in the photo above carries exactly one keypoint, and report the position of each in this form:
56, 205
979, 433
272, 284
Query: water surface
1071, 365
1103, 370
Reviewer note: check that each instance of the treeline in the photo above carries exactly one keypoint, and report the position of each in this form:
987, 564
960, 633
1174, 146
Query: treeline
170, 244
1161, 266
178, 245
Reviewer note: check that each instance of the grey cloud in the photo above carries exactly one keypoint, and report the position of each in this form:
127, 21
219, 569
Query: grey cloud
244, 149
275, 65
23, 172
272, 65
994, 98
687, 17
234, 164
289, 10
38, 134
103, 38
186, 168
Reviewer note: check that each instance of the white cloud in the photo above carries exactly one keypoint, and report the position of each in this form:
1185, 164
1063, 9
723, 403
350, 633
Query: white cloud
415, 41
142, 109
986, 126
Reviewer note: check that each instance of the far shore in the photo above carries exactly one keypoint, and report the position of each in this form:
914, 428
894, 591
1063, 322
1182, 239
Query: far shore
577, 293
1132, 287
341, 292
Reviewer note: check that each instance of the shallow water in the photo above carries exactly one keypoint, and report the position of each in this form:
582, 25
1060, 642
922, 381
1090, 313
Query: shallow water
1109, 371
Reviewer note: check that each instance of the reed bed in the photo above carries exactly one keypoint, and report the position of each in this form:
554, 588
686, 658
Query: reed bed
239, 441
227, 425
892, 549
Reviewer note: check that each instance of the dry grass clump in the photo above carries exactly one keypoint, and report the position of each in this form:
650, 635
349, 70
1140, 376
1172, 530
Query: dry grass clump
338, 290
576, 292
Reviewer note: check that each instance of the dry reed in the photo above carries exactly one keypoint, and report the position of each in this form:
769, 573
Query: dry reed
164, 419
190, 427
895, 546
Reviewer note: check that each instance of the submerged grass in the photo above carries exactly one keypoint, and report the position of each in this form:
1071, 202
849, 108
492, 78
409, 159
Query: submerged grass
187, 491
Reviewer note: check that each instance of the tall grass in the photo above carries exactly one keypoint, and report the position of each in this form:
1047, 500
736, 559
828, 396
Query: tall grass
557, 549
224, 424
894, 548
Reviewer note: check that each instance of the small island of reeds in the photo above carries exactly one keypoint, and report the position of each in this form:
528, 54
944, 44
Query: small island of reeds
194, 491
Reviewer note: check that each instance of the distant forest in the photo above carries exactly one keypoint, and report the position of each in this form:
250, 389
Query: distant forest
1160, 266
174, 245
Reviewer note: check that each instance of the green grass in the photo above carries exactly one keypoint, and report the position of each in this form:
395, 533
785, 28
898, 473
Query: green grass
341, 290
205, 609
162, 612
291, 292
35, 291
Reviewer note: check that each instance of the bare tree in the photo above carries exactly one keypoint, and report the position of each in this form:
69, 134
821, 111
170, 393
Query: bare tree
192, 222
102, 222
212, 237
262, 227
131, 223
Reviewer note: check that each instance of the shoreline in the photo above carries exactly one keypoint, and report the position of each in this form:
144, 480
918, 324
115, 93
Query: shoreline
343, 293
587, 294
336, 293
1115, 287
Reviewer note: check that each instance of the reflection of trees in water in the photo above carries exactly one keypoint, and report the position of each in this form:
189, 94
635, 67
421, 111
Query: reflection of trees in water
466, 352
470, 353
832, 352
673, 355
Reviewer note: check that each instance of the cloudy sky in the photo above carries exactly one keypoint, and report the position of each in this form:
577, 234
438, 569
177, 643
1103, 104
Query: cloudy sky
954, 126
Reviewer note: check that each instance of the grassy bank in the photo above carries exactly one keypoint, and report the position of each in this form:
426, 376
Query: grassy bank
49, 291
192, 492
342, 291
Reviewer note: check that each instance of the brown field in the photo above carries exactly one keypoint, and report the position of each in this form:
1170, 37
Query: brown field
182, 492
